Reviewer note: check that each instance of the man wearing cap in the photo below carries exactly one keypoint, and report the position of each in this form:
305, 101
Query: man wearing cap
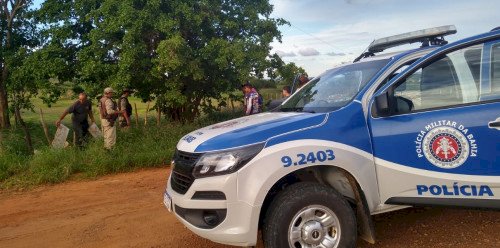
80, 111
125, 106
109, 114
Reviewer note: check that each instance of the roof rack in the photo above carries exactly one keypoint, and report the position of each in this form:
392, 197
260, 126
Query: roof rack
430, 36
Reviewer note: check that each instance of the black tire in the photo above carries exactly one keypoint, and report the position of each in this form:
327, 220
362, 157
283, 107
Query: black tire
298, 197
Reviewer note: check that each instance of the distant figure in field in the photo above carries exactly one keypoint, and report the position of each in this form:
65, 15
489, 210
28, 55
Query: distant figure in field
124, 105
253, 101
274, 104
81, 110
109, 113
303, 79
285, 92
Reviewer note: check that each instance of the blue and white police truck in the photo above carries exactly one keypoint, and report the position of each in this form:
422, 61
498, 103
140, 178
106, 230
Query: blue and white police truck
388, 131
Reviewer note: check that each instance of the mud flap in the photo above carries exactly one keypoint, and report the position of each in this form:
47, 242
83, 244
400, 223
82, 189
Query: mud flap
366, 228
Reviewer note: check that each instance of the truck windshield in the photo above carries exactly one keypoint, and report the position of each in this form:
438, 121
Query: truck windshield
334, 88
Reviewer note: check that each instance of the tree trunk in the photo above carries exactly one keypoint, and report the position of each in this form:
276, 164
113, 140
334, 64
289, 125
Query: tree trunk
2, 84
1, 141
8, 16
4, 104
27, 135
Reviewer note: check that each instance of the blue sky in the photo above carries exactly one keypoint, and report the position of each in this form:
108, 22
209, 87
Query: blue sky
325, 33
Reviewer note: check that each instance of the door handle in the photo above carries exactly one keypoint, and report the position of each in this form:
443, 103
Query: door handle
495, 124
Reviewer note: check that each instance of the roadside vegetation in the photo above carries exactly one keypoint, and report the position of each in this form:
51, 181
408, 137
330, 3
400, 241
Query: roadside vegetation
141, 146
186, 61
138, 147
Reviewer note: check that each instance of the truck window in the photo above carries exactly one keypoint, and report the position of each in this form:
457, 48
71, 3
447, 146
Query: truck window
495, 70
451, 80
395, 73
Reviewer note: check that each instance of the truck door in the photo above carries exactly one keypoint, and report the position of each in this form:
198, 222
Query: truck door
436, 128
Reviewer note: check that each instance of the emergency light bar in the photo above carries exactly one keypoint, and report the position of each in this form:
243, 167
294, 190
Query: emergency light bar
430, 36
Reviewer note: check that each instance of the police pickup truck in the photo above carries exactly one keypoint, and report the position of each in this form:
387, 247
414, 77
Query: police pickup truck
388, 131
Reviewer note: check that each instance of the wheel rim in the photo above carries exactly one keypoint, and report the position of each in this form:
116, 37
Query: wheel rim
314, 226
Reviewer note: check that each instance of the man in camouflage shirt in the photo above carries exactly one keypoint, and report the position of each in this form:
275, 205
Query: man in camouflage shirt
124, 105
109, 113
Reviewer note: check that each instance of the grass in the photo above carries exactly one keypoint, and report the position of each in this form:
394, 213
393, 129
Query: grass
135, 148
138, 147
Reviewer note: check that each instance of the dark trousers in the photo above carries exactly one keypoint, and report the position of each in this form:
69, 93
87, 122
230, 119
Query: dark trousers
81, 132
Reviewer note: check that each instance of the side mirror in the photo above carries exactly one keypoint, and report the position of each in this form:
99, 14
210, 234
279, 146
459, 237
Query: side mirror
381, 104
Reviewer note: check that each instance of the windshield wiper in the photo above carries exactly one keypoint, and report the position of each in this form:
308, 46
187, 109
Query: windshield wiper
297, 109
294, 109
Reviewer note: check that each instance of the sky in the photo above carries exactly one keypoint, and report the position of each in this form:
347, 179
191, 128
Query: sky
326, 33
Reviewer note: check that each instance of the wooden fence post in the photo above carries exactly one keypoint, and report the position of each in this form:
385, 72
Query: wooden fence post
158, 116
136, 115
44, 126
146, 115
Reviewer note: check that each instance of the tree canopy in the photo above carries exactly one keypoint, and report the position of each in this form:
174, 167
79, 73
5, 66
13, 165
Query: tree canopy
182, 53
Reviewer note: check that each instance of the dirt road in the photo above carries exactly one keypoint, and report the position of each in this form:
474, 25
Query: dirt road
125, 211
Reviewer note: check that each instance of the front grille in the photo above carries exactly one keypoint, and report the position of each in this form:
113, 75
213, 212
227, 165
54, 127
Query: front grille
186, 157
182, 175
181, 183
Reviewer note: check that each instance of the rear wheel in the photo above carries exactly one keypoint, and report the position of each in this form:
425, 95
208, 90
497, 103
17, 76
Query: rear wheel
309, 215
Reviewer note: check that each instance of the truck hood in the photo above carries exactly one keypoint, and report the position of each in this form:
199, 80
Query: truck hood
247, 130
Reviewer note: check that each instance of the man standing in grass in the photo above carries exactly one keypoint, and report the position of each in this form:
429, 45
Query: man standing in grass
80, 110
109, 113
253, 101
274, 104
124, 105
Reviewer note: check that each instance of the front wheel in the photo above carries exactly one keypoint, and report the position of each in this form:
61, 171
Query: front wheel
309, 215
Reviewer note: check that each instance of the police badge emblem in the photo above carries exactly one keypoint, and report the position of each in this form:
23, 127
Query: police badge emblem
446, 144
446, 147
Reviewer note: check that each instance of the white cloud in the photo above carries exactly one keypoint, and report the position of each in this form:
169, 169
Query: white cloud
335, 54
308, 52
285, 54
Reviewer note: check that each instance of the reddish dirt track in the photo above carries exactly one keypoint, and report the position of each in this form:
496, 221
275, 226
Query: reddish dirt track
125, 210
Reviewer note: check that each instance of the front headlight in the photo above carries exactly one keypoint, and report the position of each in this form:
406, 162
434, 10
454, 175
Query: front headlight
225, 162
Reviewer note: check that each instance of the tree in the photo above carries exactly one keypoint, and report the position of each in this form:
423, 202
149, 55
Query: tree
281, 71
181, 53
10, 12
31, 67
